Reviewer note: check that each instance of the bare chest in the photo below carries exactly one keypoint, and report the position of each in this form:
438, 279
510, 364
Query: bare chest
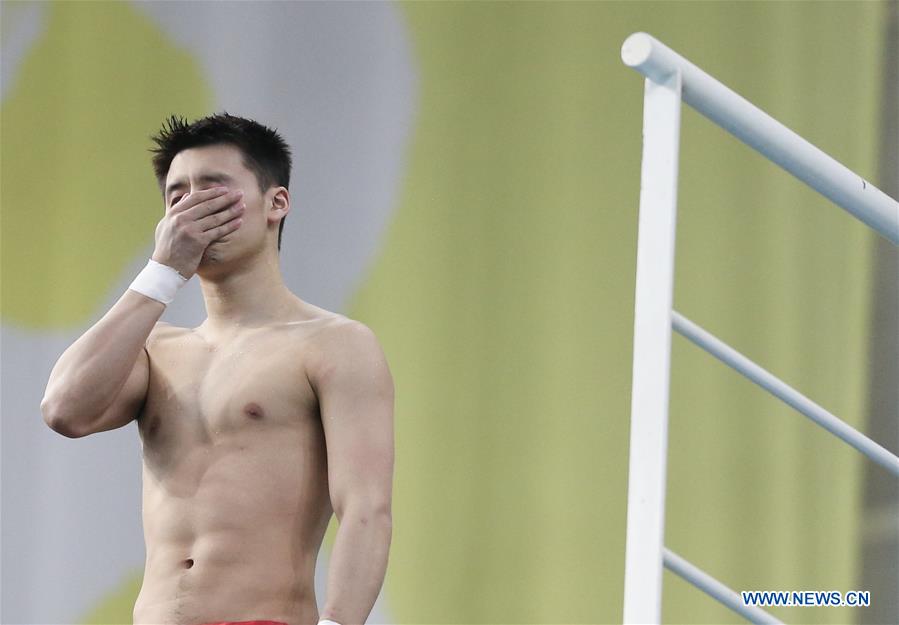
201, 393
228, 430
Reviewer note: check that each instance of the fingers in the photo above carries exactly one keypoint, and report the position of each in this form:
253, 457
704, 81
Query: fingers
211, 205
226, 228
218, 218
210, 214
189, 200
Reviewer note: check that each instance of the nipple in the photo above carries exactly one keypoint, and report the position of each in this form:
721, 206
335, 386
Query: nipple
253, 410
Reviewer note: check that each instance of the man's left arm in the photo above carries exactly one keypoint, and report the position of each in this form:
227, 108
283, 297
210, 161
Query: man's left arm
355, 394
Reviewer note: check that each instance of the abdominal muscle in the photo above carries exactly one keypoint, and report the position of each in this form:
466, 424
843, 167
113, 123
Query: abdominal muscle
233, 525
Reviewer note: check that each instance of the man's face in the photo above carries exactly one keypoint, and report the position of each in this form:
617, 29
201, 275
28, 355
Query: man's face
211, 166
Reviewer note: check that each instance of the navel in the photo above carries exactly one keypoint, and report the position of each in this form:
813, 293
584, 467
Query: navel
253, 410
188, 563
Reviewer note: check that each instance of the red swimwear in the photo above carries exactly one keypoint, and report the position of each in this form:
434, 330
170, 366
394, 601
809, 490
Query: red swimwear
247, 623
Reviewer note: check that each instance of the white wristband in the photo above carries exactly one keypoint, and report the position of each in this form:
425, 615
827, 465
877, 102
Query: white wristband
158, 281
325, 621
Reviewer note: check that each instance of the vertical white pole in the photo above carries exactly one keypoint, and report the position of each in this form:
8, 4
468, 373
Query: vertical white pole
652, 351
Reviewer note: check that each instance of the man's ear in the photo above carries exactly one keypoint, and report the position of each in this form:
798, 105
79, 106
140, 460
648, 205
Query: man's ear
280, 205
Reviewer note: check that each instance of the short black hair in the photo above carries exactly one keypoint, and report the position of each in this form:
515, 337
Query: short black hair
265, 152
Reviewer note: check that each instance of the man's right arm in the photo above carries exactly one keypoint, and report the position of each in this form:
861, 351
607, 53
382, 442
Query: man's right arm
100, 382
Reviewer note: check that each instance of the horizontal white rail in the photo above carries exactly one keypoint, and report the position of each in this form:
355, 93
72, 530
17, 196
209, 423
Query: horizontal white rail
784, 391
715, 589
765, 134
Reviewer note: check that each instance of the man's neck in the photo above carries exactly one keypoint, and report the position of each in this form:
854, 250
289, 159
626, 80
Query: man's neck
250, 295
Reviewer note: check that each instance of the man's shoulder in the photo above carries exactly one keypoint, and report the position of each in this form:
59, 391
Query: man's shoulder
313, 317
337, 330
341, 339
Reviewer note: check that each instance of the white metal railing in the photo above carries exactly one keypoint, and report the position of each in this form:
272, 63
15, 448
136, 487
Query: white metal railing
671, 79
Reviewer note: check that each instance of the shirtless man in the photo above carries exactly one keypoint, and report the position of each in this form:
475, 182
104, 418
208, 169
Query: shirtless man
257, 424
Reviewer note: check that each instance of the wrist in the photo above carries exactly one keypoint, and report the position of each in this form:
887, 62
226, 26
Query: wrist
158, 281
173, 264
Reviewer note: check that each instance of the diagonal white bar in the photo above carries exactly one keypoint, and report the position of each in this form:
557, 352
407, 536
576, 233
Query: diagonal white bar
652, 352
715, 589
765, 134
784, 391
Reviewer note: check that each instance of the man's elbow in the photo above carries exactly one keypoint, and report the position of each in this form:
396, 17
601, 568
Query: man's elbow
56, 421
368, 514
380, 521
